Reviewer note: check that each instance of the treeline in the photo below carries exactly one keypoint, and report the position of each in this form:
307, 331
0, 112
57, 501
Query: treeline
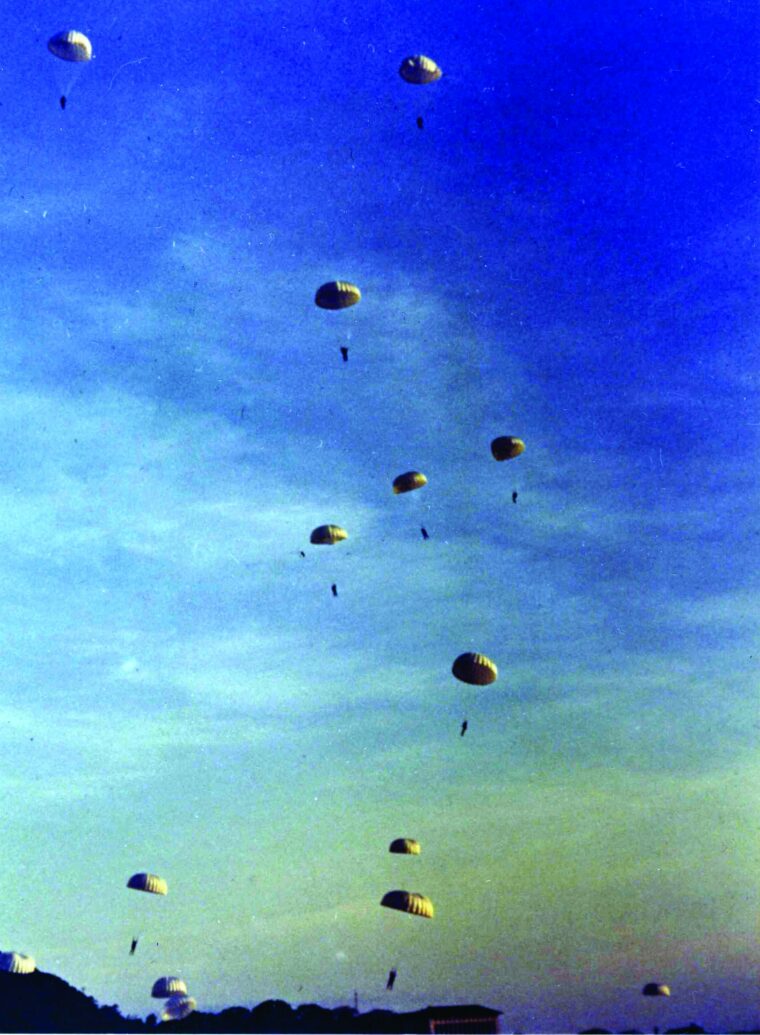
45, 1003
42, 1002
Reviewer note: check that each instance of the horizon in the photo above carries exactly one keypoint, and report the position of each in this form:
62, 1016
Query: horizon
46, 1006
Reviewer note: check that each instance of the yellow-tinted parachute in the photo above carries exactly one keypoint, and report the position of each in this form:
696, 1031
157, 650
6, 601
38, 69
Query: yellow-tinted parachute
409, 482
507, 448
337, 294
476, 669
16, 963
408, 902
652, 988
166, 987
405, 846
419, 69
148, 882
327, 535
70, 46
177, 1007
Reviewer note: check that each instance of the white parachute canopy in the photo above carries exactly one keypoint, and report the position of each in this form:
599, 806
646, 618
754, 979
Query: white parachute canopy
17, 963
177, 1007
166, 987
149, 882
70, 46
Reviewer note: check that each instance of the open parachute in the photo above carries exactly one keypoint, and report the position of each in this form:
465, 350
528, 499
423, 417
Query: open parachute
405, 846
148, 882
337, 294
70, 46
17, 963
327, 535
476, 669
178, 1007
166, 987
506, 447
419, 70
408, 902
408, 482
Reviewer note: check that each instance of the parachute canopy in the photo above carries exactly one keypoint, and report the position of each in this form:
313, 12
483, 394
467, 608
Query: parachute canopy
419, 69
337, 294
177, 1007
327, 535
165, 987
409, 482
70, 46
408, 902
652, 988
17, 963
507, 448
476, 669
148, 882
405, 846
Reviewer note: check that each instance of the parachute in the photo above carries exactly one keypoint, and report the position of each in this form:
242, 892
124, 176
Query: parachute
148, 882
409, 482
70, 46
166, 987
419, 70
405, 846
337, 294
17, 963
327, 535
507, 448
652, 988
408, 902
75, 50
476, 669
177, 1007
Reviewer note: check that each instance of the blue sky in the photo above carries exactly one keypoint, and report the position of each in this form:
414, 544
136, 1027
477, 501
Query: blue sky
566, 252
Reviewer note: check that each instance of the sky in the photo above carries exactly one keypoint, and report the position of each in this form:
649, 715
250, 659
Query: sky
566, 252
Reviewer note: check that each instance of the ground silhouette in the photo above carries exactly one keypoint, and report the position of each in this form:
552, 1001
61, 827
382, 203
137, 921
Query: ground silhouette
42, 1002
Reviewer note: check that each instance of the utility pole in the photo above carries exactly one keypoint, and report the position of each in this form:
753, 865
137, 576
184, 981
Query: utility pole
356, 1001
